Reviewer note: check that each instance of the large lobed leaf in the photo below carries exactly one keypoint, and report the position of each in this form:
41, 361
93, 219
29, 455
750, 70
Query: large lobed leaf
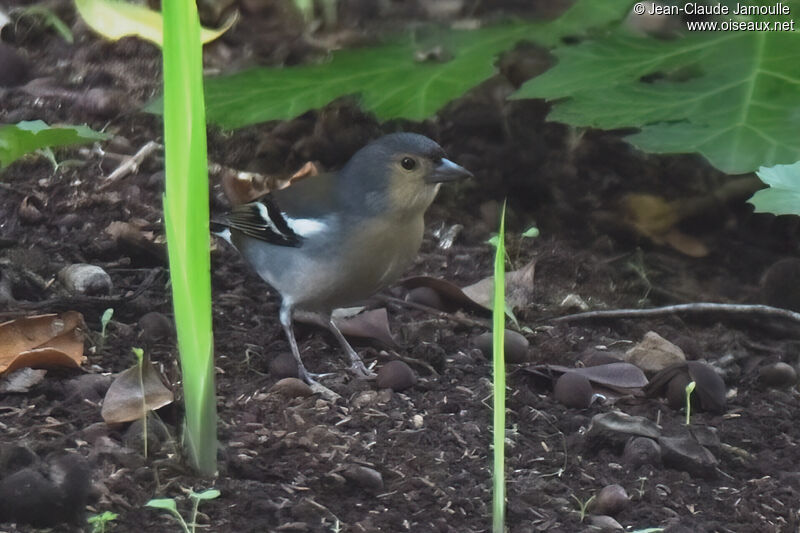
19, 139
734, 97
782, 197
387, 78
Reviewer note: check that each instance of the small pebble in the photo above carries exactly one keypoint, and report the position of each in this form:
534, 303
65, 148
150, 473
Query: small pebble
780, 285
81, 278
155, 327
291, 388
573, 390
676, 390
604, 523
363, 476
426, 296
611, 500
516, 346
396, 375
283, 366
779, 375
641, 451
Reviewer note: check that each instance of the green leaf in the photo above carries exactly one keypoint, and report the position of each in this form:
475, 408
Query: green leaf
186, 217
139, 353
783, 195
24, 137
731, 96
208, 494
163, 503
105, 516
531, 232
115, 20
388, 79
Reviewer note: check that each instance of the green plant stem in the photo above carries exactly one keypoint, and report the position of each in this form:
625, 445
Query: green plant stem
689, 389
187, 221
499, 369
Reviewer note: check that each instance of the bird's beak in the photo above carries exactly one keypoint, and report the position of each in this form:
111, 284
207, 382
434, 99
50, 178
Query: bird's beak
446, 170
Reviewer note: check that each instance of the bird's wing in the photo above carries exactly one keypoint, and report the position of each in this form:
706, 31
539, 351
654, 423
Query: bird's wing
261, 220
287, 216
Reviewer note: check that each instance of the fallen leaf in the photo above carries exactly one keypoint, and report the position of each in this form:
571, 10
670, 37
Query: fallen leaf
134, 393
452, 296
115, 19
478, 296
372, 324
656, 218
42, 341
686, 244
519, 289
135, 241
242, 187
621, 377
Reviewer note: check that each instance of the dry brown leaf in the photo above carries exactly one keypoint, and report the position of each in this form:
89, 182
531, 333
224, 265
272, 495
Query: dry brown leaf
372, 324
134, 393
42, 341
519, 289
241, 187
655, 218
136, 241
686, 244
452, 296
650, 215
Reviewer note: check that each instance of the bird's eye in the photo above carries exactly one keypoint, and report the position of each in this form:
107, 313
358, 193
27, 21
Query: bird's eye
408, 163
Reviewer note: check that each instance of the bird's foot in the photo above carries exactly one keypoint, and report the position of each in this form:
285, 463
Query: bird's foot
317, 387
361, 371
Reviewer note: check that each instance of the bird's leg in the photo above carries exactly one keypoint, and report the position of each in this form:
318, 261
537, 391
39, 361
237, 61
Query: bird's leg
356, 364
286, 322
302, 373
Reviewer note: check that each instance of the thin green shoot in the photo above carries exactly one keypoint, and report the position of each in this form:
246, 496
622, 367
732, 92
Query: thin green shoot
196, 498
139, 353
499, 372
99, 521
187, 222
169, 505
104, 320
689, 390
582, 505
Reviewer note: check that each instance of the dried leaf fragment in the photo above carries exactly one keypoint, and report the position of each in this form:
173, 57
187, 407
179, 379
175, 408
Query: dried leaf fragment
134, 393
42, 341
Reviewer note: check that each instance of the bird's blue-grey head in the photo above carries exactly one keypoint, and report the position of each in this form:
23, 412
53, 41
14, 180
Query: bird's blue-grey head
399, 172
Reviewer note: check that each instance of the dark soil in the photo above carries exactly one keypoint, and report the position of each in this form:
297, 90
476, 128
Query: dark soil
292, 464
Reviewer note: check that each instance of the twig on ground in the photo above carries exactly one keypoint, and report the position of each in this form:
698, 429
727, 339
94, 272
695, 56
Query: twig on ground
700, 307
130, 164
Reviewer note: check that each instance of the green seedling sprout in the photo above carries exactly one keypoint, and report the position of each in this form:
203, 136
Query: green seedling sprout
99, 521
104, 320
499, 373
139, 353
169, 505
582, 505
689, 389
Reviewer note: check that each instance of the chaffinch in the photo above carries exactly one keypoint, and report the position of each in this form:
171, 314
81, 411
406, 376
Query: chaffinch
331, 240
